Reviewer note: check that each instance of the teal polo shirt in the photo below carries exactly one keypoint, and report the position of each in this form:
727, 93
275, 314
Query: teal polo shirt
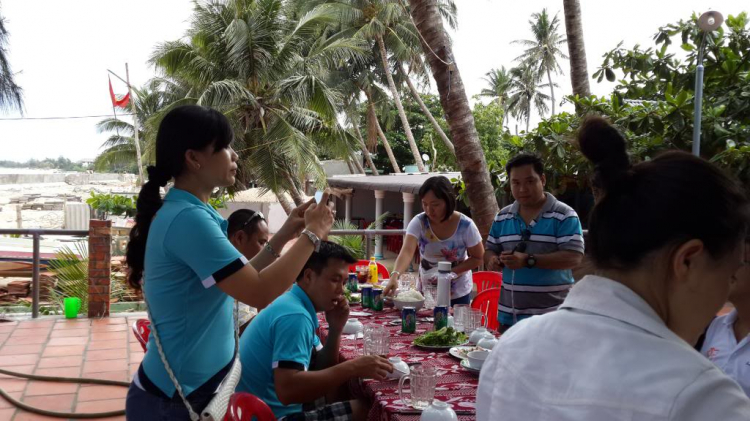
535, 291
280, 336
187, 254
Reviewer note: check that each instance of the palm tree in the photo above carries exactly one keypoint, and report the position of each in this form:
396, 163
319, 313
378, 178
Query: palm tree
579, 75
119, 148
385, 24
437, 49
11, 95
544, 49
499, 81
525, 92
267, 67
415, 93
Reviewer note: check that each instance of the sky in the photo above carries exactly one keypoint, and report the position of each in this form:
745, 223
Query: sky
61, 51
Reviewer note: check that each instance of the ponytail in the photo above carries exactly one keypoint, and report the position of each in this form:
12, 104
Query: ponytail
149, 202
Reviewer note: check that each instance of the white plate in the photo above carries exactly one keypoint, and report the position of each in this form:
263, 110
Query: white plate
461, 351
465, 365
359, 314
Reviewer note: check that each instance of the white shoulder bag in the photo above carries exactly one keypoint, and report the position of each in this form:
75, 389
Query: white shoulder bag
217, 408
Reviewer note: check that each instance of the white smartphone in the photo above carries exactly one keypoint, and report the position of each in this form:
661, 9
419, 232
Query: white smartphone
318, 196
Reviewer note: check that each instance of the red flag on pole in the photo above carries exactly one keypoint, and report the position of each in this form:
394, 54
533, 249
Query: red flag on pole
122, 102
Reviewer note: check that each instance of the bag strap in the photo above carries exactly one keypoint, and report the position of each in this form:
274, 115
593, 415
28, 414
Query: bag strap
193, 415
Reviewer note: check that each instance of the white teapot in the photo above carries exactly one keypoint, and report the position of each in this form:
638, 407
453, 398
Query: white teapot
479, 334
438, 411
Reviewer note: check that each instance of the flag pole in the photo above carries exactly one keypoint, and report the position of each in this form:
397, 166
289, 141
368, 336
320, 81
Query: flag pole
135, 125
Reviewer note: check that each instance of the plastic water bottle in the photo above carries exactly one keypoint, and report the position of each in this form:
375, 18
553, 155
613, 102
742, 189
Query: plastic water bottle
444, 284
373, 269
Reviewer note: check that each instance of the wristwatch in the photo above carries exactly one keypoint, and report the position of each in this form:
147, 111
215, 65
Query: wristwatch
314, 238
530, 261
395, 272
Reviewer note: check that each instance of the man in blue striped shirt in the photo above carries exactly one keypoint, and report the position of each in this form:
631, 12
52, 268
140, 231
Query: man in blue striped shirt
536, 242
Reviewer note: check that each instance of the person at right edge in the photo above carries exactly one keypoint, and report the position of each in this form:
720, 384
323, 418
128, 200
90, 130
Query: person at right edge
666, 237
536, 242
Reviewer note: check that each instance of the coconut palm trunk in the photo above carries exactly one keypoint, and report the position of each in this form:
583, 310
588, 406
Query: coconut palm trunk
357, 165
388, 150
284, 202
293, 191
372, 119
427, 112
365, 152
551, 92
458, 113
399, 106
579, 75
372, 122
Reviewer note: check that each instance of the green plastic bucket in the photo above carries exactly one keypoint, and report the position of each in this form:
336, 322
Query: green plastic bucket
71, 306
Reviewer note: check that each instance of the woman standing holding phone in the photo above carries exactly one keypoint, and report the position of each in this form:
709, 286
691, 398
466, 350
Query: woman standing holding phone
190, 271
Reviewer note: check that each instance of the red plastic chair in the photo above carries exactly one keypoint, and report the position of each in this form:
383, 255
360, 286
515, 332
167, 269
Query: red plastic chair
382, 271
245, 407
141, 330
487, 301
487, 280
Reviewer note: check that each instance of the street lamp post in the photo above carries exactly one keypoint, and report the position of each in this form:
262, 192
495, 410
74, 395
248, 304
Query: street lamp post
708, 22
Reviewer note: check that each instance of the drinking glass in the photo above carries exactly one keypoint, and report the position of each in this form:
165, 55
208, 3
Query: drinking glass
459, 316
472, 320
430, 296
423, 380
376, 341
407, 281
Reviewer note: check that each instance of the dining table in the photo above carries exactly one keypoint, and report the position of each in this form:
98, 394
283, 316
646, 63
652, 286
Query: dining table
456, 385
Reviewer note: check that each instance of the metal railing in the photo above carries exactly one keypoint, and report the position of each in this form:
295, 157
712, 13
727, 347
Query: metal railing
36, 236
368, 234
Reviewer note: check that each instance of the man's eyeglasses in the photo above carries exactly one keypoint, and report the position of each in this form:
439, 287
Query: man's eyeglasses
255, 216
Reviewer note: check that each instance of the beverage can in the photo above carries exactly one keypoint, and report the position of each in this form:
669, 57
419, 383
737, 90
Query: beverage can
366, 296
353, 283
440, 314
377, 299
409, 320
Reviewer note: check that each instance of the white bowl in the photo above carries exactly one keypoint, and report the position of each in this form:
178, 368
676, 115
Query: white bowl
487, 343
400, 368
477, 358
401, 304
353, 326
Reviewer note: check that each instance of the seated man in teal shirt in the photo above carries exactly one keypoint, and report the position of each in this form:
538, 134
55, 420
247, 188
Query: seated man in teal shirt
276, 349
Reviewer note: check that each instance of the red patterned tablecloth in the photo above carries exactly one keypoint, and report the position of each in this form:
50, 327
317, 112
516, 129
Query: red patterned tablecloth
455, 385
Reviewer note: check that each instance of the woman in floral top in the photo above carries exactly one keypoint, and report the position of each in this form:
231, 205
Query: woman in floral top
442, 234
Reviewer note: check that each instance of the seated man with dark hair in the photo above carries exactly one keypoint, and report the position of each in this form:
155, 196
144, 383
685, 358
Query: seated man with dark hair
276, 349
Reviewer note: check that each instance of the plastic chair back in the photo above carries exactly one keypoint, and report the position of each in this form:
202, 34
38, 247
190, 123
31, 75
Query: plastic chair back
487, 280
141, 330
246, 407
487, 301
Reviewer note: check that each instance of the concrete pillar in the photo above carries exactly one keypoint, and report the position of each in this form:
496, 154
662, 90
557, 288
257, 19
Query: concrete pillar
408, 215
408, 208
348, 208
379, 196
100, 257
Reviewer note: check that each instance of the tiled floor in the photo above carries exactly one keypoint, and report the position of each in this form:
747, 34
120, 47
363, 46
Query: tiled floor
103, 348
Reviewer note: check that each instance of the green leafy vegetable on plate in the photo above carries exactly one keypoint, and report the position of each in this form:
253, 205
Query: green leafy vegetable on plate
350, 298
446, 336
